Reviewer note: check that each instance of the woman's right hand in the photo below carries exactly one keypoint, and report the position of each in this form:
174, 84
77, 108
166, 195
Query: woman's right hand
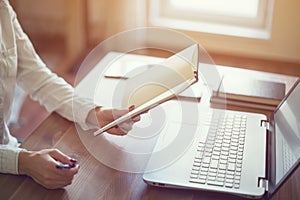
42, 167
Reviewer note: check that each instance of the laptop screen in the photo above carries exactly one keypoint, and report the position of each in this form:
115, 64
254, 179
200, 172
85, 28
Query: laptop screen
287, 136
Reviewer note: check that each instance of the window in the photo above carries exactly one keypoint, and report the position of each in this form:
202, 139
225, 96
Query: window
244, 18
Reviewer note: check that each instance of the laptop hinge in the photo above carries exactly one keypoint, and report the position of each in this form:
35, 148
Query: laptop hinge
262, 182
265, 123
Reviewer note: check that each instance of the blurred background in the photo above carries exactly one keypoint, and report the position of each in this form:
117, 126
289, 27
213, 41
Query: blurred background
255, 34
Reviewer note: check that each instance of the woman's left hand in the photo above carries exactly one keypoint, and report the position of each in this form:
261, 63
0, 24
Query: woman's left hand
105, 116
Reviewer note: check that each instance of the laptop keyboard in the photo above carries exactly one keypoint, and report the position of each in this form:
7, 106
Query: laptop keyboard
289, 158
218, 160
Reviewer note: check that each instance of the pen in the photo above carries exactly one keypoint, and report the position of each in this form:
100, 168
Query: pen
65, 166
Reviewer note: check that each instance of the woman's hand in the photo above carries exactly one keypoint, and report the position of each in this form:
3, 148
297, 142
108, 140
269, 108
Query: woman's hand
105, 116
42, 167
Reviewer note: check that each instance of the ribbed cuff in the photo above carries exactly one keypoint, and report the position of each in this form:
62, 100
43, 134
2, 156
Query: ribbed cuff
9, 159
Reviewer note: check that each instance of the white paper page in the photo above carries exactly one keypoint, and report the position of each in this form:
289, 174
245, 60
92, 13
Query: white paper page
160, 78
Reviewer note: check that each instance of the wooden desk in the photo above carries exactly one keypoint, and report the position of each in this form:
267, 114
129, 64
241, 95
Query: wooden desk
97, 181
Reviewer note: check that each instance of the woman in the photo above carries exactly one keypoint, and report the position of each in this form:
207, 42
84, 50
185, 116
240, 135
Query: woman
19, 64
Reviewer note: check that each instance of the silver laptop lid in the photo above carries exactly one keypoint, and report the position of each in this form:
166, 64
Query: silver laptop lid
284, 140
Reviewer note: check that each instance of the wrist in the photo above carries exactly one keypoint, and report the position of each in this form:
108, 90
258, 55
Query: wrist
23, 160
92, 116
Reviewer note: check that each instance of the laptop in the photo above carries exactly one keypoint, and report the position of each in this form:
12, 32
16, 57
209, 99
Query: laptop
234, 152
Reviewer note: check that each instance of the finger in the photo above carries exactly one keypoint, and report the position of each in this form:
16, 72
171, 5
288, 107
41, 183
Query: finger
116, 131
65, 176
56, 178
131, 108
61, 157
136, 119
126, 126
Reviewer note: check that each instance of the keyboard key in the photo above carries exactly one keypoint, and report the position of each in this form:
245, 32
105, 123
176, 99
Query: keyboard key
219, 145
199, 154
230, 173
231, 166
202, 181
237, 180
214, 164
221, 176
226, 141
194, 176
229, 178
229, 185
222, 171
227, 137
205, 165
216, 183
239, 157
221, 180
232, 156
222, 166
203, 177
209, 150
204, 169
196, 164
225, 146
224, 153
206, 160
235, 137
234, 148
213, 170
200, 148
211, 178
234, 140
223, 157
238, 169
215, 157
203, 173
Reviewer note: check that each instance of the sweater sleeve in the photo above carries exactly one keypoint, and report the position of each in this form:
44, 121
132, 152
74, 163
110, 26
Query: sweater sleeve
9, 159
46, 87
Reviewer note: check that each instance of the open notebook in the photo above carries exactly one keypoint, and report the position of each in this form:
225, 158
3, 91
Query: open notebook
159, 83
